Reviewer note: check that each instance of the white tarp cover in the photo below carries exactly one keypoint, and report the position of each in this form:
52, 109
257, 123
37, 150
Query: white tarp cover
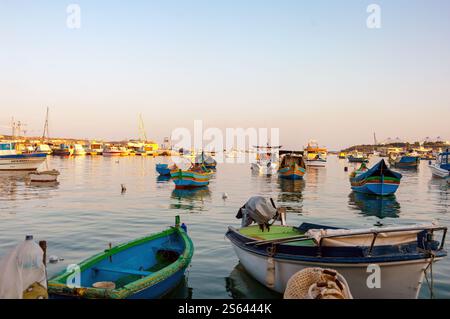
208, 160
257, 209
21, 268
364, 237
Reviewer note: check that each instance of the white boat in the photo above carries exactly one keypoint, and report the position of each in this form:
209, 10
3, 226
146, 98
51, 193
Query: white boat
379, 263
78, 150
95, 149
315, 155
11, 160
267, 158
44, 148
111, 151
44, 176
441, 168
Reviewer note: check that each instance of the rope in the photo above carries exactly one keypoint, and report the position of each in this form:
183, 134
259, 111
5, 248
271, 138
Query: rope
430, 282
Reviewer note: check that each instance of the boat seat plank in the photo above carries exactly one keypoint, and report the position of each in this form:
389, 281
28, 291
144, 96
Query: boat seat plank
123, 270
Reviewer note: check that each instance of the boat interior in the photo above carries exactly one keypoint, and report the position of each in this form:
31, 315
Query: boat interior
289, 160
123, 265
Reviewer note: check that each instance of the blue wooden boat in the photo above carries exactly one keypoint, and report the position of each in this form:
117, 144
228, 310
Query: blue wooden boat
404, 161
292, 166
144, 268
379, 180
163, 169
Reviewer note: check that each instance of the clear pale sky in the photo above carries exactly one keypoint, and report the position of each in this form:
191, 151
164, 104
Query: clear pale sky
311, 68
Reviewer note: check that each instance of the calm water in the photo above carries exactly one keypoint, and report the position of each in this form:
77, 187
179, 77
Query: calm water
86, 211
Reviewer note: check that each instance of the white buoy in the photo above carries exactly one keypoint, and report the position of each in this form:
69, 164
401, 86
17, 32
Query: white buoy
53, 259
224, 195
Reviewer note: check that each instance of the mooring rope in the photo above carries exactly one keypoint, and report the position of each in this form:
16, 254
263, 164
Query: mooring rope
430, 282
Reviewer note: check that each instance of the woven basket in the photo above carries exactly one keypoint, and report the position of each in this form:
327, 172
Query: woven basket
317, 283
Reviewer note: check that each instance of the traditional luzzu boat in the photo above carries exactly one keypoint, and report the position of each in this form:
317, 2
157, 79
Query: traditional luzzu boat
410, 160
402, 255
441, 168
267, 158
378, 180
196, 176
11, 160
292, 166
144, 268
357, 157
206, 160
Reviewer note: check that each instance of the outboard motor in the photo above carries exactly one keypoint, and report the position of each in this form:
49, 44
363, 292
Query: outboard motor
260, 211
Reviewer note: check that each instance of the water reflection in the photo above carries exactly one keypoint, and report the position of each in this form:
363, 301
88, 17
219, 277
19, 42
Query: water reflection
190, 199
182, 291
291, 195
378, 206
240, 285
163, 178
9, 184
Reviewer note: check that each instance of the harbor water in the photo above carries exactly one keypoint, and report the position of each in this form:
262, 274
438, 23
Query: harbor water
86, 211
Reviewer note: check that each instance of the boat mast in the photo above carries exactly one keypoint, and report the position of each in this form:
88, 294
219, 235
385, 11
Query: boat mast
142, 134
45, 132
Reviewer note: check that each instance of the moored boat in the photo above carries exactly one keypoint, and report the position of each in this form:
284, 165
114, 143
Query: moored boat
44, 176
315, 155
342, 155
95, 148
163, 169
403, 255
149, 267
78, 150
406, 160
63, 150
206, 160
357, 157
441, 168
267, 158
292, 165
11, 160
111, 151
378, 180
43, 148
196, 176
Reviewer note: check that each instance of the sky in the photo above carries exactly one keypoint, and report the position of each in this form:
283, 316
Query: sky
313, 69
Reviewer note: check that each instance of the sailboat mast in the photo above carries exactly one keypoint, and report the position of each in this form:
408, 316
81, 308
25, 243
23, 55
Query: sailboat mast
142, 134
46, 133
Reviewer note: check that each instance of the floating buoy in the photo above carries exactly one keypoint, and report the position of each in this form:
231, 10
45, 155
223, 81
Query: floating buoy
429, 162
345, 169
53, 259
124, 189
224, 195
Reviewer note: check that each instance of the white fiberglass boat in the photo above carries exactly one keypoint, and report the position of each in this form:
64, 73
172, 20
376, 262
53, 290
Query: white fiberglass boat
441, 168
44, 176
11, 160
78, 150
267, 158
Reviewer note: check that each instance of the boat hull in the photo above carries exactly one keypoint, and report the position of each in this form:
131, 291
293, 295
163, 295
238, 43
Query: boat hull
22, 162
316, 163
375, 186
405, 162
264, 169
437, 171
111, 154
399, 280
292, 173
42, 177
190, 179
163, 169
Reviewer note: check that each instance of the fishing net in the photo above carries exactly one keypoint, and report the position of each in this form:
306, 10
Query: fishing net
257, 209
22, 268
317, 283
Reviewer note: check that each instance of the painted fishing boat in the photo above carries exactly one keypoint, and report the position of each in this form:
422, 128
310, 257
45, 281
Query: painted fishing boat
315, 155
196, 176
206, 160
410, 160
43, 148
144, 268
164, 169
357, 157
63, 150
292, 166
342, 155
441, 168
267, 158
378, 180
111, 151
11, 160
95, 149
44, 176
401, 255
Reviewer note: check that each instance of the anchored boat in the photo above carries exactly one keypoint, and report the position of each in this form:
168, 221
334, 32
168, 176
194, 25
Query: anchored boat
315, 156
164, 169
112, 151
196, 176
292, 165
357, 157
266, 160
44, 176
11, 160
144, 268
379, 180
441, 168
63, 150
403, 254
206, 160
411, 160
